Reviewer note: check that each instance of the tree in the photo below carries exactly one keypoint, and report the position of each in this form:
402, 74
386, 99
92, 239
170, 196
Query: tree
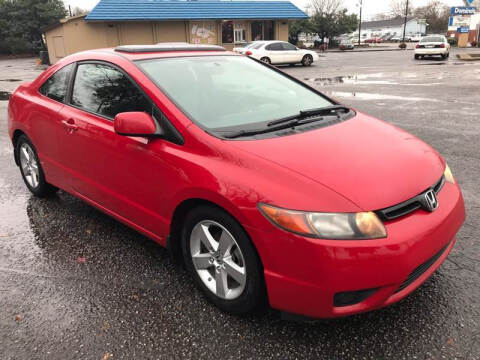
326, 6
78, 11
22, 21
398, 7
436, 14
329, 25
296, 27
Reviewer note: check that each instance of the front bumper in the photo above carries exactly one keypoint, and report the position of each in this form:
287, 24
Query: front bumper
303, 275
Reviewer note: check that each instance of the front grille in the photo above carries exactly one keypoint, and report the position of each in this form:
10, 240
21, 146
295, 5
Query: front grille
420, 270
410, 205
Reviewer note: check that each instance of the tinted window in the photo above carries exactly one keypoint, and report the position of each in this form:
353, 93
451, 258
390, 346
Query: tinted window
275, 47
56, 86
104, 90
288, 46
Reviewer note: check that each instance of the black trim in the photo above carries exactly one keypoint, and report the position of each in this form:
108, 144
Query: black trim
170, 133
421, 269
409, 206
349, 298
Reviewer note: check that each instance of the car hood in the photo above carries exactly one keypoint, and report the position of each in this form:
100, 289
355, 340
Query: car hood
372, 163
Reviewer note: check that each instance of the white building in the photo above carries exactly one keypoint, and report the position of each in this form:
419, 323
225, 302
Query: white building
393, 27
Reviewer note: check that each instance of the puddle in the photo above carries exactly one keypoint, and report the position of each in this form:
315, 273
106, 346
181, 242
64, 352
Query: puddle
4, 95
361, 80
351, 79
10, 80
369, 96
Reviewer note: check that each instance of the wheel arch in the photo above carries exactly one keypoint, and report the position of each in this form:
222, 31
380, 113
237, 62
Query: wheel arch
16, 135
178, 217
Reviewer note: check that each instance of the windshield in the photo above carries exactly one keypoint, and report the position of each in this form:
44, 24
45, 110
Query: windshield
229, 91
433, 39
256, 45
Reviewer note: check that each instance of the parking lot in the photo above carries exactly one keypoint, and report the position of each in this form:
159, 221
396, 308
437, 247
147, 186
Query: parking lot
75, 284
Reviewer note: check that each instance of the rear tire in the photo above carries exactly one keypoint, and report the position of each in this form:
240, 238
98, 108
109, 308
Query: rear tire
31, 168
222, 260
417, 57
307, 60
266, 60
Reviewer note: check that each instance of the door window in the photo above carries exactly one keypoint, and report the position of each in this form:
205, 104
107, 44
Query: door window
275, 47
288, 47
104, 90
56, 86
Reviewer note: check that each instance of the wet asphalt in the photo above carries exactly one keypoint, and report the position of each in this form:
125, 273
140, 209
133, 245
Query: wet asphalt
75, 284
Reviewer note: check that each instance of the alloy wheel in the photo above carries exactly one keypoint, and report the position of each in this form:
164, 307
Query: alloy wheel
307, 61
218, 260
29, 165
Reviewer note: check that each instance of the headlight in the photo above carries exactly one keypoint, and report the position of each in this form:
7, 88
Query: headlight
339, 226
448, 175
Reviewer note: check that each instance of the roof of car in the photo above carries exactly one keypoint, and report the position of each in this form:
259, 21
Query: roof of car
161, 50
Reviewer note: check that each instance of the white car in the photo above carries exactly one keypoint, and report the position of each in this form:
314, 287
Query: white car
241, 49
416, 38
281, 52
432, 45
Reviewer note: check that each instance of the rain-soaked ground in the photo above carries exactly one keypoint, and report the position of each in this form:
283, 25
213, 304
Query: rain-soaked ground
75, 284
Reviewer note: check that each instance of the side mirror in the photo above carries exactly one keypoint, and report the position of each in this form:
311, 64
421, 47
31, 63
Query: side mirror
135, 124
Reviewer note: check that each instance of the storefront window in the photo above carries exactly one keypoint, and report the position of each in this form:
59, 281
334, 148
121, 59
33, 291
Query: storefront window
203, 32
240, 32
268, 33
227, 32
262, 30
257, 30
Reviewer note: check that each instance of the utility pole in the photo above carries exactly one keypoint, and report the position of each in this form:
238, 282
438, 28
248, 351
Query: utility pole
360, 24
405, 24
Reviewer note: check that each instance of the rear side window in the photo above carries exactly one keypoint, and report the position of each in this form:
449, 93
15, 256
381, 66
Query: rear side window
56, 86
106, 91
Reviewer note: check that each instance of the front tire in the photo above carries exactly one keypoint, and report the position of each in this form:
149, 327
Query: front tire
307, 60
31, 169
222, 260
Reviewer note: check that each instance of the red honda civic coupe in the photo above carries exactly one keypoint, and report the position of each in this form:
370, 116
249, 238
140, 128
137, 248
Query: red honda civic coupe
266, 190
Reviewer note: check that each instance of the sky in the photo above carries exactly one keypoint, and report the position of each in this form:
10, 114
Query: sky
370, 7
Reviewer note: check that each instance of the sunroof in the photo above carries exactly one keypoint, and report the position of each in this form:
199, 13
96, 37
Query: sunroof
162, 47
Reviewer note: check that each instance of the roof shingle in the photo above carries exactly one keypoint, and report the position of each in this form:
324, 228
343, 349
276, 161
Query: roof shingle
136, 10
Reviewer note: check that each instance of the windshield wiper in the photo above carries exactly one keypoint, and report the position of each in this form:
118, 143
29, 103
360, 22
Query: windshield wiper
306, 113
281, 126
302, 118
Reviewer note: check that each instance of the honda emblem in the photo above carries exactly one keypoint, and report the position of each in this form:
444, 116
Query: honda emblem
430, 201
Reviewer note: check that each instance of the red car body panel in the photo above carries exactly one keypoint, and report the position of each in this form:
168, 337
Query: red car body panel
362, 164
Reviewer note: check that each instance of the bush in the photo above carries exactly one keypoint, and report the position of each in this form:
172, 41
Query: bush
452, 41
402, 46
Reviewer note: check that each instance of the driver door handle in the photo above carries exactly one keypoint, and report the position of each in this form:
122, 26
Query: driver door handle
70, 125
